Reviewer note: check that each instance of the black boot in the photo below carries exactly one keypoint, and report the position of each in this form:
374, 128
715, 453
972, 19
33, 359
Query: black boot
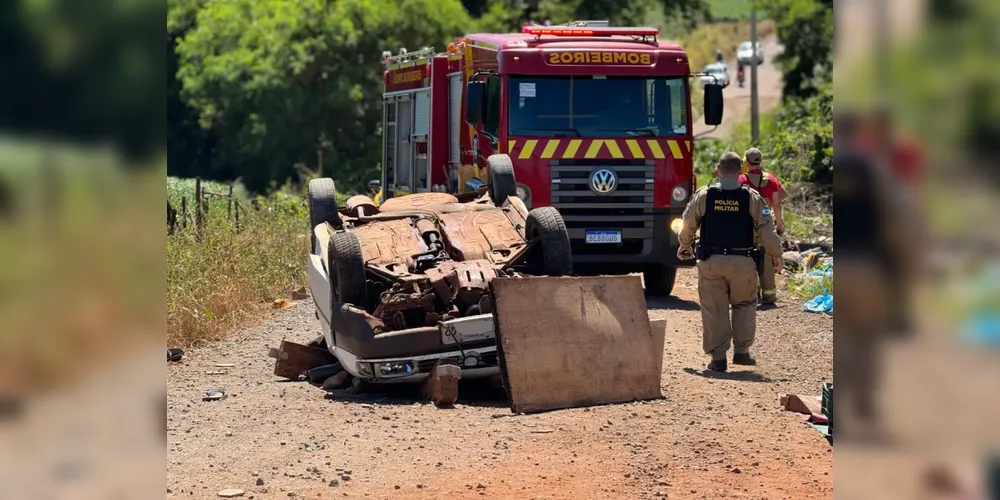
743, 358
717, 365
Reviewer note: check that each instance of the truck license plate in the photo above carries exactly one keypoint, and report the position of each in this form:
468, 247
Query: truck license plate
604, 236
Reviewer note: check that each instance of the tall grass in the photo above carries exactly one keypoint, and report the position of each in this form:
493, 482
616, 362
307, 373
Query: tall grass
230, 277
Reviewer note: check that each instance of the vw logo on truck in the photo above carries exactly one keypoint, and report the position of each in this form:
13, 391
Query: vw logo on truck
603, 181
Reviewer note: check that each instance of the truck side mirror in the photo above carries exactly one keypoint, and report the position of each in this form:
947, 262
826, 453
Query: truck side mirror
713, 104
475, 103
374, 186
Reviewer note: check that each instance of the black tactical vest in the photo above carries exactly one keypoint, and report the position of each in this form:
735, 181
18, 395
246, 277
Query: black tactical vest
856, 210
727, 222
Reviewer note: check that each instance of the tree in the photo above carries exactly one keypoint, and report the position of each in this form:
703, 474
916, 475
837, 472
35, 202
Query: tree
275, 79
805, 28
84, 71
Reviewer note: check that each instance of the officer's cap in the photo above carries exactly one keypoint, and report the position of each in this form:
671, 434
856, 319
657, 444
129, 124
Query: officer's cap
753, 156
730, 161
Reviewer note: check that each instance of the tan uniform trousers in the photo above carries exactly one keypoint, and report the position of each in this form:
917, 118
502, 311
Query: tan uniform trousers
727, 284
768, 287
862, 318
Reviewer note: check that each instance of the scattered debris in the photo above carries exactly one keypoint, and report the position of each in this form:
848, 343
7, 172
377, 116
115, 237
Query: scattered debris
319, 374
174, 354
281, 304
216, 372
231, 493
293, 360
260, 481
214, 395
541, 431
224, 365
809, 405
441, 386
300, 293
337, 381
822, 303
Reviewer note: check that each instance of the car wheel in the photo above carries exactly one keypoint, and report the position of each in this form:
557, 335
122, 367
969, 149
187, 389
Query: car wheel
323, 207
547, 227
660, 279
501, 177
348, 282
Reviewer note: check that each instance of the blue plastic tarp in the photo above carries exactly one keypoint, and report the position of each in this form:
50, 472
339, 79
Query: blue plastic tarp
822, 303
983, 330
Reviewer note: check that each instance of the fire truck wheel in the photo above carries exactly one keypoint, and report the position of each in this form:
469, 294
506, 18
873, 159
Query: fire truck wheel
502, 182
547, 226
660, 279
322, 205
348, 282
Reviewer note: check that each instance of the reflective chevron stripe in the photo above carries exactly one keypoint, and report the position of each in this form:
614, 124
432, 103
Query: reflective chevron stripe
570, 149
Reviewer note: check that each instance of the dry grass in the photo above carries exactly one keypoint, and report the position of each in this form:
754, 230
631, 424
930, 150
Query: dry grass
230, 278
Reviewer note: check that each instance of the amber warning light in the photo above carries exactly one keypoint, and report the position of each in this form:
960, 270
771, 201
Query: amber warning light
571, 31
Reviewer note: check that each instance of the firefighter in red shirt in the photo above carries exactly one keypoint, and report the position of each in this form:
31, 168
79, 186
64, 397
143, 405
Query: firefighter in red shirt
774, 193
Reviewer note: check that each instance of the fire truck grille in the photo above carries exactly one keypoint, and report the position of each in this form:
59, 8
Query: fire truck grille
628, 207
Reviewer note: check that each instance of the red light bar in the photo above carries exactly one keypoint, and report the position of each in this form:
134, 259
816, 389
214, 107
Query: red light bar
571, 31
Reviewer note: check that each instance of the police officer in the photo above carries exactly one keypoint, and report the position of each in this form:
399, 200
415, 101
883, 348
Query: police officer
769, 188
729, 216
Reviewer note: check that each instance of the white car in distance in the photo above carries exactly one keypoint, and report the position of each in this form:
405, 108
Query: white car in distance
716, 73
744, 53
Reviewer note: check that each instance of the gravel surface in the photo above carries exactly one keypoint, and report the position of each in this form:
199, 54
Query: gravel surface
711, 437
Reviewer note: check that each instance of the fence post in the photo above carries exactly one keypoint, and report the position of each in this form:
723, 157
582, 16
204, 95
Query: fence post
171, 219
237, 214
197, 208
229, 203
184, 212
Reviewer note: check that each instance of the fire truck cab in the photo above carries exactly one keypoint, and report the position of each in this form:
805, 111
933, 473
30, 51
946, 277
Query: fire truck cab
592, 120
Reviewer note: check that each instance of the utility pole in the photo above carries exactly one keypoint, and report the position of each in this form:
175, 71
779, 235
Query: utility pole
754, 119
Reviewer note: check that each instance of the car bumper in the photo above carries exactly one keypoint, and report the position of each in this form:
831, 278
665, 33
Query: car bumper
655, 244
368, 369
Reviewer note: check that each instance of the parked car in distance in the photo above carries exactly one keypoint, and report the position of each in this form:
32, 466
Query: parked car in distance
720, 73
744, 53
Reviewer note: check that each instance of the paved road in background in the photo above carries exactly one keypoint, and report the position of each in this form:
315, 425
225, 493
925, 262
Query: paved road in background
737, 99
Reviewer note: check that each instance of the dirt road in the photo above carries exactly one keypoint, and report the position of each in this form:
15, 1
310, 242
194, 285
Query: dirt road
711, 437
737, 107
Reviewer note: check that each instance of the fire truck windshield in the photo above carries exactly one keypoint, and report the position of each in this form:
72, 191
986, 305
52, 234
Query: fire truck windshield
597, 106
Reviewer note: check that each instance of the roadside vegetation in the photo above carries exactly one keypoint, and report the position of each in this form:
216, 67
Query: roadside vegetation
797, 137
221, 275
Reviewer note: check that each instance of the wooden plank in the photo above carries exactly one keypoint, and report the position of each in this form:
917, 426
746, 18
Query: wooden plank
576, 341
292, 360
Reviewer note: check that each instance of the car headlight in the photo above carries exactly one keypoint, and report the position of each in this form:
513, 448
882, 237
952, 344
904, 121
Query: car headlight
679, 193
394, 369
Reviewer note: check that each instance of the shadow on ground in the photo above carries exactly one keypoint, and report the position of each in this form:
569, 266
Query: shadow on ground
671, 302
746, 376
470, 393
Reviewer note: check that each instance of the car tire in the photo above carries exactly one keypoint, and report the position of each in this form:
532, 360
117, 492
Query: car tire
660, 279
546, 225
322, 195
348, 282
501, 178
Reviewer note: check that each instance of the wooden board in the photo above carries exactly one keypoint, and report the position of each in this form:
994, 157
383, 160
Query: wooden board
292, 360
576, 341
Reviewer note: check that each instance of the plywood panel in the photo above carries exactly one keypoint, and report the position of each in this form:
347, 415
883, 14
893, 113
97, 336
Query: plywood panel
576, 341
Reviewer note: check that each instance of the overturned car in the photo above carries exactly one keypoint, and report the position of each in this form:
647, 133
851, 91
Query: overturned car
404, 286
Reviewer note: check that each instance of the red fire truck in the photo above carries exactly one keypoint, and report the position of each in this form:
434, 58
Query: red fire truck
592, 120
